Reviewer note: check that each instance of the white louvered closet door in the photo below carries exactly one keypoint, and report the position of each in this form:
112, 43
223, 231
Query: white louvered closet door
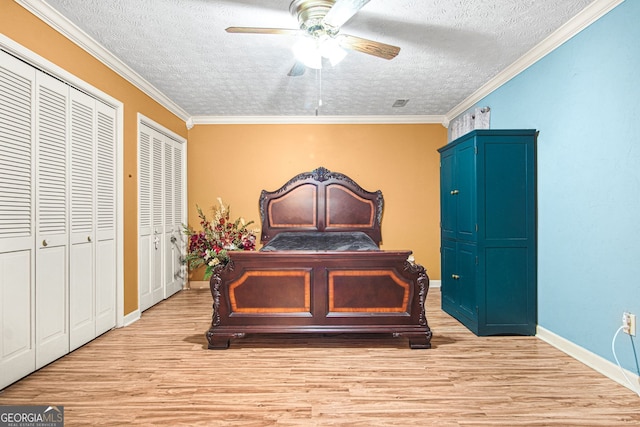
145, 232
17, 255
161, 200
168, 236
58, 254
151, 227
82, 245
157, 203
178, 247
173, 203
92, 281
52, 328
105, 242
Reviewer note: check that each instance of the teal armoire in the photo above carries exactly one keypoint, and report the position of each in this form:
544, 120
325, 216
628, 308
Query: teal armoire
488, 231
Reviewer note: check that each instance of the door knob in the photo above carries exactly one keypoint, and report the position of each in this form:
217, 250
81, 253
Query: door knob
454, 192
44, 243
455, 276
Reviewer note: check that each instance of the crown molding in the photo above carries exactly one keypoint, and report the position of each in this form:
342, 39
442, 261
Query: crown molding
58, 22
53, 18
217, 120
588, 16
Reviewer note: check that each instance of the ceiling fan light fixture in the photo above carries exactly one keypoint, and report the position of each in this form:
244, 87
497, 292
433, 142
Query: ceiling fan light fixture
311, 50
320, 22
306, 50
330, 49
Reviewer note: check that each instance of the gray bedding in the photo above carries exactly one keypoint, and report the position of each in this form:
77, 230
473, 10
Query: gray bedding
321, 241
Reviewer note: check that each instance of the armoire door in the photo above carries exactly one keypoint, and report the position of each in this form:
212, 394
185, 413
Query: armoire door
458, 193
448, 195
459, 270
467, 266
465, 181
450, 274
52, 251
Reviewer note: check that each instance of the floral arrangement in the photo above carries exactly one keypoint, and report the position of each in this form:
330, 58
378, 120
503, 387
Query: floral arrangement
211, 245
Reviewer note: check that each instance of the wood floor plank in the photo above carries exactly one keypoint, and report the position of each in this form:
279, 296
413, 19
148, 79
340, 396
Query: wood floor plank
158, 371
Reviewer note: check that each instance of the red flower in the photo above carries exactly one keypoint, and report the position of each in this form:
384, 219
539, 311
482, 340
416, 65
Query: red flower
217, 238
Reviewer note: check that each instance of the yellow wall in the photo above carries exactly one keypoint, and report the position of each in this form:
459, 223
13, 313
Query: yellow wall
24, 28
236, 162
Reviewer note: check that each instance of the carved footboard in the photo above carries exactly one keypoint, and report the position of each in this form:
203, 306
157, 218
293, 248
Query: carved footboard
319, 292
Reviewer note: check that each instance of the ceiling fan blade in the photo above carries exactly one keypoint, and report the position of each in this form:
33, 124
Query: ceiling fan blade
254, 30
342, 11
370, 47
298, 69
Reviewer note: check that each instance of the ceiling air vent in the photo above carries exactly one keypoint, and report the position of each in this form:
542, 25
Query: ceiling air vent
400, 102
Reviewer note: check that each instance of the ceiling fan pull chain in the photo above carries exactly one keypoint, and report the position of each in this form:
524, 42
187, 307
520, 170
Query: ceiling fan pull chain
319, 79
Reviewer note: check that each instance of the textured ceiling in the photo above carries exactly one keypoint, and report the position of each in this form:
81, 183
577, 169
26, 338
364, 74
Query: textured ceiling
449, 49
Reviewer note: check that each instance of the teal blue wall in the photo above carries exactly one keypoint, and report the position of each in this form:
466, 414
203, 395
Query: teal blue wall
584, 98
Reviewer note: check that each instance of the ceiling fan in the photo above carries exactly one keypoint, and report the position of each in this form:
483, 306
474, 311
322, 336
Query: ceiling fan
320, 22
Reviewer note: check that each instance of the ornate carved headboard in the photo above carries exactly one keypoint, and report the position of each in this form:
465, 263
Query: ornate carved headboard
322, 201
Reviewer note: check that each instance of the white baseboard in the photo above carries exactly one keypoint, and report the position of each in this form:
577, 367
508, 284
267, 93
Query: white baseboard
434, 283
132, 317
198, 284
592, 360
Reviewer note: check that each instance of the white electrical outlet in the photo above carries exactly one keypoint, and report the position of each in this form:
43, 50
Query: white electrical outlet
626, 322
629, 323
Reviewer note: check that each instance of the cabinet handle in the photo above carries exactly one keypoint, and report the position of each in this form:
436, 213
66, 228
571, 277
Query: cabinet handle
454, 192
44, 243
89, 239
455, 276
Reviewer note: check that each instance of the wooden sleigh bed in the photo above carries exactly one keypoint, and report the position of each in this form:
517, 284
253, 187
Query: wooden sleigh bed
320, 270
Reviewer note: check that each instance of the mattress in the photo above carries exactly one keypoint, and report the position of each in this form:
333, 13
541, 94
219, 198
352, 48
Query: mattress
321, 241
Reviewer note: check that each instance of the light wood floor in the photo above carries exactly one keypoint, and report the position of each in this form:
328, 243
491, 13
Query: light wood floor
159, 372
